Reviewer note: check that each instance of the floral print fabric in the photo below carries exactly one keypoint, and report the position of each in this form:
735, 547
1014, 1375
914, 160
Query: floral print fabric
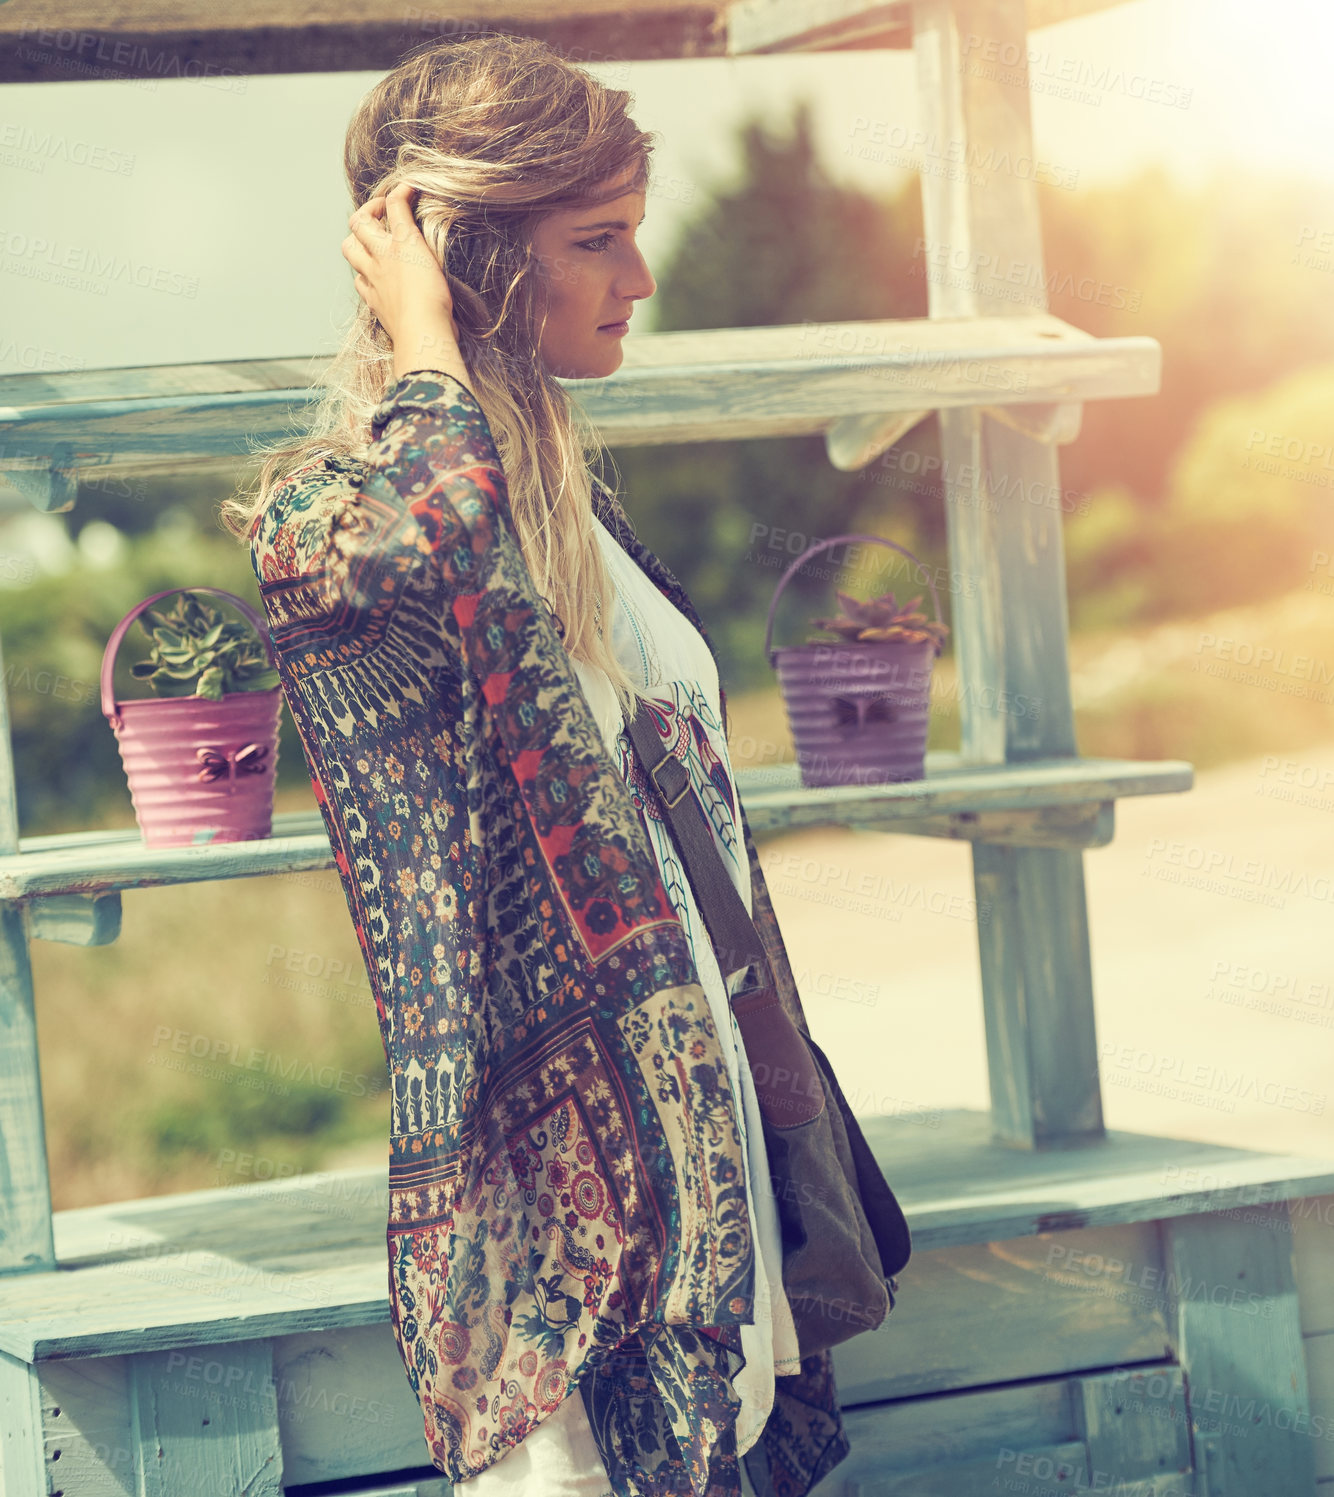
668, 661
567, 1193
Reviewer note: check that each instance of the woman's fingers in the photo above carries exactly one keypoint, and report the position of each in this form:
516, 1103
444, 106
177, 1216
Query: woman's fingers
367, 222
397, 208
383, 221
395, 272
367, 228
368, 240
356, 254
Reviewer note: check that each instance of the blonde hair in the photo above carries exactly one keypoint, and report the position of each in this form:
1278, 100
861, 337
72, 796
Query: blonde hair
495, 132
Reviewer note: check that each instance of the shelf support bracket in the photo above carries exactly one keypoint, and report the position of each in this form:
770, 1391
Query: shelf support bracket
75, 919
1054, 423
857, 440
50, 484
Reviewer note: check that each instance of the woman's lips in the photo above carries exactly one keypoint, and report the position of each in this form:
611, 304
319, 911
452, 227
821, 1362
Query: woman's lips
617, 329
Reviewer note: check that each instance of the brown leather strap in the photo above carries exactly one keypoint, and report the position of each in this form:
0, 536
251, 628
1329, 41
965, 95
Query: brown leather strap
786, 1078
736, 942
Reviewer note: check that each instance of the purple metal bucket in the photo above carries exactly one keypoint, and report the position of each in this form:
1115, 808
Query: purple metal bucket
859, 713
199, 771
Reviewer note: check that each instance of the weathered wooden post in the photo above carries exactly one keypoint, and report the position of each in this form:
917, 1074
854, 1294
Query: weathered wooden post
1010, 623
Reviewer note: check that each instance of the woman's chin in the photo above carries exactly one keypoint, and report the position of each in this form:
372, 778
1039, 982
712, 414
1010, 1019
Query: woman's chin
596, 363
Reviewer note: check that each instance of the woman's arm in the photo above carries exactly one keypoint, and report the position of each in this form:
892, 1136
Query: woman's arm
433, 491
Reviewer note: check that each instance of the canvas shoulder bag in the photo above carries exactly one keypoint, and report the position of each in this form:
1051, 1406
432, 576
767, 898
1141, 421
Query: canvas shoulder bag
844, 1235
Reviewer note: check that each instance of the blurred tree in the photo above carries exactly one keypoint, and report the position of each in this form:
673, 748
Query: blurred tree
135, 503
789, 244
1248, 517
1251, 497
1217, 275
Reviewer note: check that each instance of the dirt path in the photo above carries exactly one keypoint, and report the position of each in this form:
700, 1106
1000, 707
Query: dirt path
1212, 930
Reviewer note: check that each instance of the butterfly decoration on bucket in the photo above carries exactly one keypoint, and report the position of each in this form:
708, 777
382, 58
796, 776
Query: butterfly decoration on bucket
853, 713
217, 764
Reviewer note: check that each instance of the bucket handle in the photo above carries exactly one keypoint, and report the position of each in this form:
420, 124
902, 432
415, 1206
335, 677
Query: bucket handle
814, 550
109, 704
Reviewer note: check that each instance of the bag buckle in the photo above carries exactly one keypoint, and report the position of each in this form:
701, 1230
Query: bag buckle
671, 798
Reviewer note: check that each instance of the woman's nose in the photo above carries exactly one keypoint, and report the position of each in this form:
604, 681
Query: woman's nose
637, 283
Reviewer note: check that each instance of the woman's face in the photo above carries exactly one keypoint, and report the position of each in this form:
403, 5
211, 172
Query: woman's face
591, 273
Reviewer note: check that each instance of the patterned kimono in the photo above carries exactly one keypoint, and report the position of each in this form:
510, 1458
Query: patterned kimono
567, 1196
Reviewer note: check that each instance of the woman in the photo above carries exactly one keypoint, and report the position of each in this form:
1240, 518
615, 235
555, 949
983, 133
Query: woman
579, 1196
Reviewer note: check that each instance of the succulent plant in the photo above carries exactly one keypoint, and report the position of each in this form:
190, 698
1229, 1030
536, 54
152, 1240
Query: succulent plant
198, 651
880, 619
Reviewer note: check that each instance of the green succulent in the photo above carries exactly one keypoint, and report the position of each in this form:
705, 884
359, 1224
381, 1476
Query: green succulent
197, 650
881, 619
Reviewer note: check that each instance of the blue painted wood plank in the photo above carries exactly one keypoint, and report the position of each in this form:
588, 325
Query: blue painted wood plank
1010, 624
1246, 1372
75, 919
207, 1426
713, 384
22, 1449
25, 1186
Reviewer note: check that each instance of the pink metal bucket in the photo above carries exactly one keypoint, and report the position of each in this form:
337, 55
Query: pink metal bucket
859, 713
199, 771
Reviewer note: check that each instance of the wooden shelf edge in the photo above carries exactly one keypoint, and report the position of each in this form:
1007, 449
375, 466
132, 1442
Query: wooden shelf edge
786, 26
703, 385
1047, 803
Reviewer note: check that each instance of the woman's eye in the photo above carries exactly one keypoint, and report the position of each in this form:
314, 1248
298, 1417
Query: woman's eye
599, 246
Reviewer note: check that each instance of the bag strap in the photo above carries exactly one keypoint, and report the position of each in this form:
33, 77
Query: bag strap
733, 934
736, 942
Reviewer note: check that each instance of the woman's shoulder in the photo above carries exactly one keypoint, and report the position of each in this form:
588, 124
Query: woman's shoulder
293, 523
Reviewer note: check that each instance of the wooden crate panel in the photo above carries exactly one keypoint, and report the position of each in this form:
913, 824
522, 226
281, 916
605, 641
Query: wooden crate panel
1320, 1373
996, 1312
1237, 1331
205, 1424
1313, 1261
1124, 1430
86, 1416
345, 1406
22, 1453
1053, 1470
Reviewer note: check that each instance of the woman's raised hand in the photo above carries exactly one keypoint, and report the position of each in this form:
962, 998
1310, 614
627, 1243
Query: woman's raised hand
401, 281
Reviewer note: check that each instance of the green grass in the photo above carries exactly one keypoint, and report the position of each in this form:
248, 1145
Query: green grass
187, 1054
